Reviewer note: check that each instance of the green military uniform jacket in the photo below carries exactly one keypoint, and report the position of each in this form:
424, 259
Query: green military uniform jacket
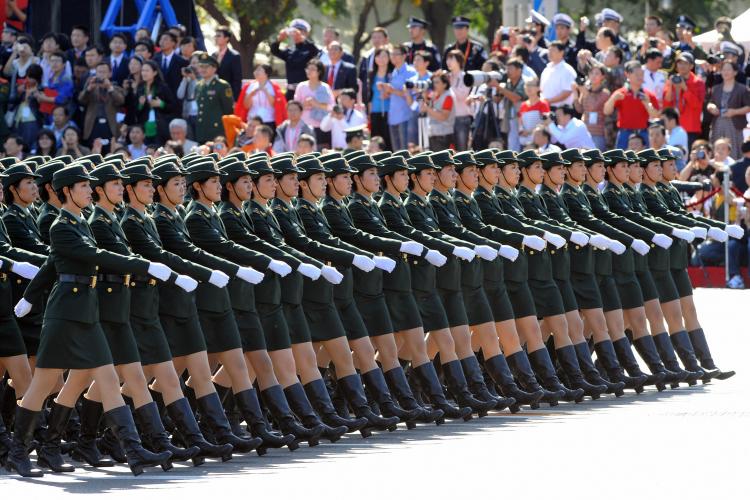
147, 300
47, 215
674, 201
342, 225
9, 255
658, 206
320, 290
267, 227
177, 239
214, 99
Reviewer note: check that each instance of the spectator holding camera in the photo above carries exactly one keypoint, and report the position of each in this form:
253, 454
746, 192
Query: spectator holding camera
27, 117
700, 165
686, 92
259, 98
568, 130
342, 117
186, 92
728, 105
589, 101
634, 105
440, 111
103, 100
298, 53
513, 94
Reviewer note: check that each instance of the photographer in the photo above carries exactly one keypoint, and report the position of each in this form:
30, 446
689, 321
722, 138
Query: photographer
27, 118
686, 92
186, 92
342, 117
513, 93
634, 104
568, 130
700, 166
440, 111
103, 100
590, 97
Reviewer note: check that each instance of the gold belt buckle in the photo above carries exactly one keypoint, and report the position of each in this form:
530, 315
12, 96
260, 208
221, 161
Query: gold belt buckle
127, 280
152, 282
92, 283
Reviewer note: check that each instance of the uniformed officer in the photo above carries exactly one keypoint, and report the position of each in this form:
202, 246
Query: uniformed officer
563, 23
537, 23
474, 53
612, 19
50, 207
72, 337
354, 138
417, 28
214, 99
685, 28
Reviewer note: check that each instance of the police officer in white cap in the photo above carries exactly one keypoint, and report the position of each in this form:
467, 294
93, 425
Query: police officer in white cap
473, 51
563, 23
612, 19
300, 50
685, 30
417, 28
538, 23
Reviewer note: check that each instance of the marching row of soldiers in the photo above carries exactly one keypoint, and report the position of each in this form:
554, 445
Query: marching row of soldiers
319, 295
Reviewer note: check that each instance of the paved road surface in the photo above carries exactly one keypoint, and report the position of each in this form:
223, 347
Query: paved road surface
682, 444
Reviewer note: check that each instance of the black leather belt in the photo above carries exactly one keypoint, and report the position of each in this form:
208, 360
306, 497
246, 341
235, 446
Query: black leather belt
142, 280
77, 278
118, 279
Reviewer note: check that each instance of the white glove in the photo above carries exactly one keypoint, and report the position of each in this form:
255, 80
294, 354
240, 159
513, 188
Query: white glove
734, 231
662, 240
486, 252
159, 271
579, 238
640, 246
385, 263
599, 241
331, 274
218, 279
364, 263
683, 234
699, 232
464, 253
534, 242
26, 269
250, 275
22, 308
309, 270
509, 252
717, 234
617, 247
412, 247
280, 267
435, 258
555, 239
186, 283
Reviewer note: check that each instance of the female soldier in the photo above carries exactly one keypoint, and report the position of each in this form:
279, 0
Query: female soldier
209, 233
370, 293
50, 203
664, 201
453, 345
312, 179
322, 317
304, 361
72, 337
492, 187
656, 280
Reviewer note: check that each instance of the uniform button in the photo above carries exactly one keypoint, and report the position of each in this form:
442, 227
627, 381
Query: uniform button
75, 290
109, 290
531, 252
652, 245
552, 252
18, 281
577, 247
97, 268
132, 283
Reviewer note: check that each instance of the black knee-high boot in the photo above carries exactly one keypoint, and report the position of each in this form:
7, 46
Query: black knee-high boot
434, 389
624, 353
377, 386
295, 395
249, 407
120, 420
684, 349
456, 381
86, 449
318, 394
500, 372
399, 386
187, 429
5, 441
475, 379
230, 410
647, 350
669, 357
592, 374
216, 420
8, 405
277, 404
156, 437
18, 457
568, 359
703, 353
48, 451
543, 367
605, 353
351, 387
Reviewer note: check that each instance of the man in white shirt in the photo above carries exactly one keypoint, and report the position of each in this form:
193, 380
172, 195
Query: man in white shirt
558, 77
654, 78
569, 131
341, 119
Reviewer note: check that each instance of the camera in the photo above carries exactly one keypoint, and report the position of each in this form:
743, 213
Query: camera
187, 70
653, 42
676, 79
700, 154
476, 78
581, 80
98, 80
690, 188
420, 85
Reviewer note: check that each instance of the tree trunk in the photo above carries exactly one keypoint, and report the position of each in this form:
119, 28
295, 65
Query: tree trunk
494, 19
438, 13
360, 36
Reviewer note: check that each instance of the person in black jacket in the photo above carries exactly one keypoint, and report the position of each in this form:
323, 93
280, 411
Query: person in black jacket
339, 73
230, 62
170, 62
155, 104
299, 52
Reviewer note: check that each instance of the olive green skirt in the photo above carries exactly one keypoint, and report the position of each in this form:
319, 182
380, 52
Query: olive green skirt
220, 331
547, 298
251, 330
121, 342
184, 335
375, 314
431, 310
453, 305
568, 295
31, 334
608, 290
152, 342
324, 321
403, 310
682, 282
274, 325
497, 302
72, 345
352, 320
11, 340
521, 299
299, 330
648, 286
665, 286
586, 290
629, 290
